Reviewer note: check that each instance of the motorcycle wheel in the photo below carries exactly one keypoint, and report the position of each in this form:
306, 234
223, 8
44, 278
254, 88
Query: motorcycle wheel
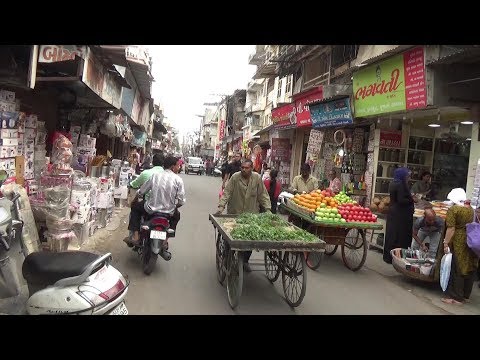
149, 260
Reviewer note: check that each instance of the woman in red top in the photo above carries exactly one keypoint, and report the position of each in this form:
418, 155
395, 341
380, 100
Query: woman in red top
274, 189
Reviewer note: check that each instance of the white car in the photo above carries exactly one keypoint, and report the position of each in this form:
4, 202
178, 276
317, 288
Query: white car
194, 165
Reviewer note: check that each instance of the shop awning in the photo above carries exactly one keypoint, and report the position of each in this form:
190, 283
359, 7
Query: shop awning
368, 54
265, 130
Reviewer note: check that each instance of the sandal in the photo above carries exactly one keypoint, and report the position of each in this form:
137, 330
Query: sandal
451, 301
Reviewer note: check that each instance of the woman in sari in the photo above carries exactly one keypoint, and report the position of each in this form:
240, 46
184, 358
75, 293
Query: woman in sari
464, 260
398, 233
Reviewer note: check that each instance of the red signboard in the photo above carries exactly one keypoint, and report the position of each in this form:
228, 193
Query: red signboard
390, 138
302, 110
284, 117
415, 84
280, 149
222, 129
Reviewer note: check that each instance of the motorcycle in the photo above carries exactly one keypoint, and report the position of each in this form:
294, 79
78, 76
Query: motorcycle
71, 282
217, 172
154, 235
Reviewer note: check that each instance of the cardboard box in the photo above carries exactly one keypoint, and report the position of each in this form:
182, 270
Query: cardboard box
7, 106
9, 119
29, 174
81, 150
21, 122
104, 199
29, 133
9, 142
7, 95
81, 216
80, 197
120, 192
20, 169
31, 121
8, 151
9, 133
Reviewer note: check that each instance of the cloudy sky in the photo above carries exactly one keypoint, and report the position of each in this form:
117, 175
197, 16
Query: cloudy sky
186, 75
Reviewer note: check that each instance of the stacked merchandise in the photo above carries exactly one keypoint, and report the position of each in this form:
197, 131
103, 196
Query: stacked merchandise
82, 199
9, 141
415, 261
40, 153
475, 201
122, 178
55, 190
29, 149
105, 201
86, 150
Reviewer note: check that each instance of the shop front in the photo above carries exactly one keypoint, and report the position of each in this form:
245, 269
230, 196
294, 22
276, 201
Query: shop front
301, 102
410, 129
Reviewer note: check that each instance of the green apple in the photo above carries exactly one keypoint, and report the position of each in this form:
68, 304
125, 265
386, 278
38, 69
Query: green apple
323, 205
334, 210
343, 220
338, 216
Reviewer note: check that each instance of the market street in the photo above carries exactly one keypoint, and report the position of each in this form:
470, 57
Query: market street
188, 283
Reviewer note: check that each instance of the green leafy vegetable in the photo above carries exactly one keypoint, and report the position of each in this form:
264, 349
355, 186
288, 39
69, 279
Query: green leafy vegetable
268, 227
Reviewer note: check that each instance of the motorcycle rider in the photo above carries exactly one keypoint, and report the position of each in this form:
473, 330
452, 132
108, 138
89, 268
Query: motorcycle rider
167, 194
157, 161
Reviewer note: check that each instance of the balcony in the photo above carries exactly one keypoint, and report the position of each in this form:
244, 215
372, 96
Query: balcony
254, 86
256, 58
254, 108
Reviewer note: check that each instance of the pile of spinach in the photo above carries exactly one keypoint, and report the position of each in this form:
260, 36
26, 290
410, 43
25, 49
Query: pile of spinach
267, 227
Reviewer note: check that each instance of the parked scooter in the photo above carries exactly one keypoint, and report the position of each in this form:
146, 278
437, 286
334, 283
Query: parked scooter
75, 282
217, 172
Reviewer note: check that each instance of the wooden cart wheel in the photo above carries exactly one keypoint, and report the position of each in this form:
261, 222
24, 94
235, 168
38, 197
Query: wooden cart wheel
220, 258
294, 277
234, 277
272, 268
314, 259
354, 249
330, 249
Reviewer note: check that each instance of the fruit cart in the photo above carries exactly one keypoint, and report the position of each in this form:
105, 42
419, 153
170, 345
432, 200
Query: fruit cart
285, 257
349, 235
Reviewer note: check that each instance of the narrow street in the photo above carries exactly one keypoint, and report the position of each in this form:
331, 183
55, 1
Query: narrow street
188, 284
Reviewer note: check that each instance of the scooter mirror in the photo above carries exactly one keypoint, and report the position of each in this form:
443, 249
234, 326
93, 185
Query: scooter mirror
3, 176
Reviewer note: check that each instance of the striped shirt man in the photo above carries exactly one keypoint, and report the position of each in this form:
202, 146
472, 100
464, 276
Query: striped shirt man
168, 191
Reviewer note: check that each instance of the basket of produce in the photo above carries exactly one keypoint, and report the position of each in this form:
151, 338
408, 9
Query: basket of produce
380, 205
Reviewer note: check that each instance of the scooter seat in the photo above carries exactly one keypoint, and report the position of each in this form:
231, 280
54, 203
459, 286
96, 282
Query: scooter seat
46, 268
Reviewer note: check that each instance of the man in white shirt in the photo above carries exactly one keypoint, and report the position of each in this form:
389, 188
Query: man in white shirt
167, 194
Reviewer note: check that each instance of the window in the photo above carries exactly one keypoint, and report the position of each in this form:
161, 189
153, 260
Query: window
317, 69
288, 88
279, 90
343, 53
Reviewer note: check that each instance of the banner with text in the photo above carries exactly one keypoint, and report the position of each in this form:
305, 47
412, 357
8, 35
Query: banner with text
395, 84
332, 113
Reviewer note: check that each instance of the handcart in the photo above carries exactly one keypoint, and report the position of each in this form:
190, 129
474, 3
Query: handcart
350, 236
285, 257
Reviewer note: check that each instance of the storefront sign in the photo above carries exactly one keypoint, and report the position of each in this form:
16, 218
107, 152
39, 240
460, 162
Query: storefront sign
315, 141
332, 113
284, 117
302, 101
395, 84
56, 53
280, 149
222, 129
390, 138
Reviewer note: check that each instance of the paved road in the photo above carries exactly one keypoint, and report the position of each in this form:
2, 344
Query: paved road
188, 284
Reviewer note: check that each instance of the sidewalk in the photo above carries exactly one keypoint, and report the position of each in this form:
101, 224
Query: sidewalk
431, 293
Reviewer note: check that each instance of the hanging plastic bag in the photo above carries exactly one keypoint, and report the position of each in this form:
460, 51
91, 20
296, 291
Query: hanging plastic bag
445, 268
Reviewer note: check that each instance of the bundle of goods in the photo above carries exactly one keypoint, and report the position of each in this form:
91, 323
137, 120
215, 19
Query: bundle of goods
265, 227
415, 261
60, 236
380, 205
61, 156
